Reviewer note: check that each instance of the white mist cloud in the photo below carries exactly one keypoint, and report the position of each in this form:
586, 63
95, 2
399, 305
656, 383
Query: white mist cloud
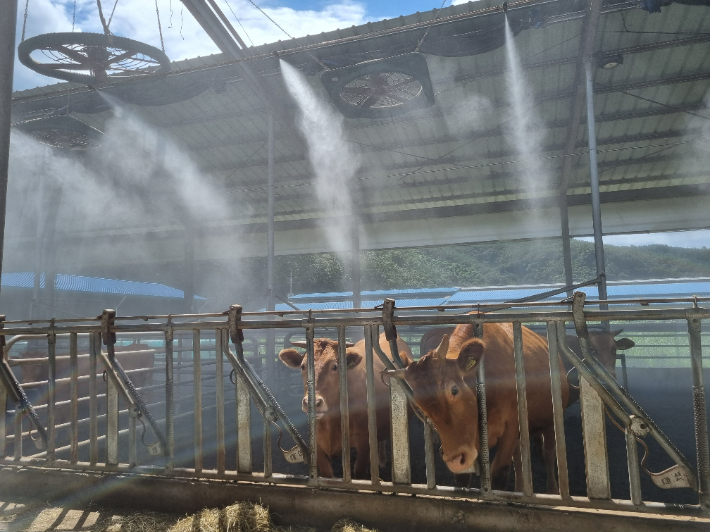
333, 159
182, 35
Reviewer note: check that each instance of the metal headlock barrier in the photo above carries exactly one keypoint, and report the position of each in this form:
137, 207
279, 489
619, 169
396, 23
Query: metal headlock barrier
203, 344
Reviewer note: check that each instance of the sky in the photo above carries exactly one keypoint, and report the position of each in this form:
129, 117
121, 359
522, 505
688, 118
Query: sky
182, 35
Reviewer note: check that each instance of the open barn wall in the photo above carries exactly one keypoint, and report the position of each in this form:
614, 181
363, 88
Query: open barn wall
220, 243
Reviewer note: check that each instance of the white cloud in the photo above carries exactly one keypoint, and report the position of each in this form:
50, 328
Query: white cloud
681, 239
182, 35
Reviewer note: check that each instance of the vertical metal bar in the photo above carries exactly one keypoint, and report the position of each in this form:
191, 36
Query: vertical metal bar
3, 413
624, 376
632, 457
197, 390
268, 374
132, 450
311, 390
268, 468
594, 435
401, 464
558, 409
51, 395
522, 408
169, 399
429, 460
74, 397
178, 376
17, 443
370, 334
355, 250
344, 411
94, 346
219, 382
244, 462
111, 423
483, 419
699, 412
8, 20
566, 247
594, 181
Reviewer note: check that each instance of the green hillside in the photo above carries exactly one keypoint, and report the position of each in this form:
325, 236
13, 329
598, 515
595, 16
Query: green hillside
529, 262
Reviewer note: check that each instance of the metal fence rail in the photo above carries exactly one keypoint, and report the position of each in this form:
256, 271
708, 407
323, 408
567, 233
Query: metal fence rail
210, 433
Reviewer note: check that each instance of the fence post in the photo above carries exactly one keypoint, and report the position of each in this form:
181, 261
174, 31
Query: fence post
699, 411
592, 410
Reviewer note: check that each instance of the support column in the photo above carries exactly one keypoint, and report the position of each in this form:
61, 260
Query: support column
8, 21
594, 181
271, 297
566, 244
355, 257
189, 271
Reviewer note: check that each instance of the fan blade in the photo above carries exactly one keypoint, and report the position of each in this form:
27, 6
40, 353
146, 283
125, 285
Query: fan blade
370, 101
71, 54
357, 91
402, 83
119, 58
67, 66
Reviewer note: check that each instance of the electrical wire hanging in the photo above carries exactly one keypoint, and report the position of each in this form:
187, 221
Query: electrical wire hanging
160, 29
436, 16
238, 21
321, 63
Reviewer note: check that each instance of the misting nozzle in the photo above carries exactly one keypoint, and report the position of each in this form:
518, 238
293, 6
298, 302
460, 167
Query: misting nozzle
505, 7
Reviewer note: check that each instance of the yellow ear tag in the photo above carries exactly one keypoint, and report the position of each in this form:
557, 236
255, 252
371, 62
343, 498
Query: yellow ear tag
470, 363
351, 364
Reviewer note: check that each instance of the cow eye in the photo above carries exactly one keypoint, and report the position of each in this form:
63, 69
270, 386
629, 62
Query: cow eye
454, 390
335, 367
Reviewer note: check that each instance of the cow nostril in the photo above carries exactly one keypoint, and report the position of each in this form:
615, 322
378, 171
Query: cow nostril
463, 459
319, 402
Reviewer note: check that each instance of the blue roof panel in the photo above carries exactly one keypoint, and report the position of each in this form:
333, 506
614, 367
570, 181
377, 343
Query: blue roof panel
79, 283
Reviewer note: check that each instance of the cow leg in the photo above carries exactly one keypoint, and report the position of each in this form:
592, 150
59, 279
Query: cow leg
382, 453
500, 467
362, 462
549, 454
325, 468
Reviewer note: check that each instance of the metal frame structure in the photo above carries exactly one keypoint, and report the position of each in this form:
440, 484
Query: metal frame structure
600, 387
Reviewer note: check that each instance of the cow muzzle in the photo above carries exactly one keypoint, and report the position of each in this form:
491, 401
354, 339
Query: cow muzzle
464, 462
321, 406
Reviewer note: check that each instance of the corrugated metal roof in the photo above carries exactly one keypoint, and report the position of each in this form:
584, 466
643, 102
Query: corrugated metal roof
97, 285
453, 157
499, 294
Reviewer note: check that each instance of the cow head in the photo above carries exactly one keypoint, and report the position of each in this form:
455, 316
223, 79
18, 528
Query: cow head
327, 374
444, 389
603, 347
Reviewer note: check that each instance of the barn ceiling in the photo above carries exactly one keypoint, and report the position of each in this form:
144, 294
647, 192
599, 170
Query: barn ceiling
454, 157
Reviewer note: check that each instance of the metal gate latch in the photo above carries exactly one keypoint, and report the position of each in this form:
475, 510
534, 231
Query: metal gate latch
154, 449
671, 478
294, 456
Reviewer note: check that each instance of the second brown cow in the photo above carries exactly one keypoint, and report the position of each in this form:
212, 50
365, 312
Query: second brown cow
327, 407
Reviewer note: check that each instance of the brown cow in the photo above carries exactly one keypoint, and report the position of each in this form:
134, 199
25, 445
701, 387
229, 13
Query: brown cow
36, 372
329, 436
602, 343
444, 386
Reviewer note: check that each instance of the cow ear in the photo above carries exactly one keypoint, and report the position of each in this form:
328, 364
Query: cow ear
624, 343
291, 358
353, 358
470, 355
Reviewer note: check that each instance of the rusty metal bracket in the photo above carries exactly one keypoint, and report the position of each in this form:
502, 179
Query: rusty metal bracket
265, 402
134, 402
580, 323
17, 394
